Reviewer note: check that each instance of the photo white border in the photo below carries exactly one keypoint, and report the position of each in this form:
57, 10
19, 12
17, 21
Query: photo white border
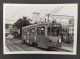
44, 52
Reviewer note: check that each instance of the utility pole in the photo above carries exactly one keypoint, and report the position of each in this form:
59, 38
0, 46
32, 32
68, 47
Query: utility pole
48, 16
45, 19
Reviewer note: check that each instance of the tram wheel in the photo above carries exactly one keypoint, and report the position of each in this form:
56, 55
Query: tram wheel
34, 44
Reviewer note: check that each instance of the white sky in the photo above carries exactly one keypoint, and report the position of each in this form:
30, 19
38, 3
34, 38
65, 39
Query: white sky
15, 11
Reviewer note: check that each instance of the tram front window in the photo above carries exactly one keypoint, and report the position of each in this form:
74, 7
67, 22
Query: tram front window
42, 30
53, 31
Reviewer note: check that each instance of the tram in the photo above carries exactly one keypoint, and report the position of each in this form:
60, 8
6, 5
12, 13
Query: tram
44, 35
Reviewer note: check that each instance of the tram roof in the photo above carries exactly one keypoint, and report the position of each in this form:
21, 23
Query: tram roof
41, 24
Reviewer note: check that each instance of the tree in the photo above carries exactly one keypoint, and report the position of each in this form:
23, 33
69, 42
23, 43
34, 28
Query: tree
22, 22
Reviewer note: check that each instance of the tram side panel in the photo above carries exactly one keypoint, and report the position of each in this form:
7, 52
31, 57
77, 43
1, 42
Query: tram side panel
41, 41
38, 39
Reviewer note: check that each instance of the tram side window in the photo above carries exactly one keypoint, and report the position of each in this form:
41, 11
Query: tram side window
48, 31
42, 30
38, 31
33, 31
25, 31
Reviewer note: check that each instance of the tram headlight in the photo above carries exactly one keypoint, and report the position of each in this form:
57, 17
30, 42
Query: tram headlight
59, 40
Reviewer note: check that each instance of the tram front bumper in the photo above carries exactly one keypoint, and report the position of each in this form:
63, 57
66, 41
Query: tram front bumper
55, 44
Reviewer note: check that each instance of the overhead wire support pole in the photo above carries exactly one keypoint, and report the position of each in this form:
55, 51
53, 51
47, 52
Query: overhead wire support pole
49, 13
48, 16
53, 11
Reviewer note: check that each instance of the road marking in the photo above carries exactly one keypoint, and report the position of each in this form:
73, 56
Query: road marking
15, 46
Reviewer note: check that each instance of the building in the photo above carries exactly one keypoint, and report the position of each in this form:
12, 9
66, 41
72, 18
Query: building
8, 28
71, 26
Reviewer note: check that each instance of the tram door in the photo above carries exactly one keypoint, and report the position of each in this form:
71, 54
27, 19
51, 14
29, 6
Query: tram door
28, 36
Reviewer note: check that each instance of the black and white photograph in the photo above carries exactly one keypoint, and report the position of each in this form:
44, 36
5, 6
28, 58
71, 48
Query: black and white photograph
40, 28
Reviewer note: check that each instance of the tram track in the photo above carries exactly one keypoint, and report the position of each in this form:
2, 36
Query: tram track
12, 47
17, 47
49, 49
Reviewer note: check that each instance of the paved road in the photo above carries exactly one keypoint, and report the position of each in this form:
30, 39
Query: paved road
16, 45
7, 49
67, 46
20, 47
